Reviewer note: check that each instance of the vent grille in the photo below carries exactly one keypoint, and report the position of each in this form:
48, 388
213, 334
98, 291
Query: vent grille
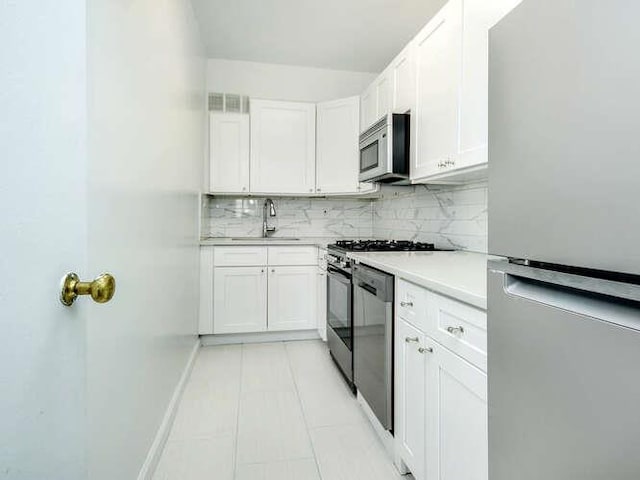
228, 103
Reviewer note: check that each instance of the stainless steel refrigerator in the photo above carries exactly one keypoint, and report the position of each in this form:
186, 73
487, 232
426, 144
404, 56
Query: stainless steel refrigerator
564, 212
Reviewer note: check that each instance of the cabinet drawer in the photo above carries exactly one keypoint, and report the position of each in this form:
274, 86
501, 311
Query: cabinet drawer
411, 304
239, 256
459, 327
294, 255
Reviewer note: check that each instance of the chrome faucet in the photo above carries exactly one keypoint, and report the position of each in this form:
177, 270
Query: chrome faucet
268, 204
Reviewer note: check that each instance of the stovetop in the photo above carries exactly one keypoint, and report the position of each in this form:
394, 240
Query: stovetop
383, 246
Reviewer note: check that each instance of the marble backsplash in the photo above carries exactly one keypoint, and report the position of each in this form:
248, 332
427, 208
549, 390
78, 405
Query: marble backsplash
295, 217
450, 217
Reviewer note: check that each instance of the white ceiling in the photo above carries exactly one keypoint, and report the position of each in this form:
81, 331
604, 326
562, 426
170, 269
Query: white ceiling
357, 35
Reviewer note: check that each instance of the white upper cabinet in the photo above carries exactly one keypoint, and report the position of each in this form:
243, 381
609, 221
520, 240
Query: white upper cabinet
368, 108
478, 17
403, 81
283, 147
337, 151
438, 50
384, 85
229, 152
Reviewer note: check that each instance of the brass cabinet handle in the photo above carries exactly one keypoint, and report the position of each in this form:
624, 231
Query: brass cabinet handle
101, 289
425, 349
406, 304
455, 330
411, 339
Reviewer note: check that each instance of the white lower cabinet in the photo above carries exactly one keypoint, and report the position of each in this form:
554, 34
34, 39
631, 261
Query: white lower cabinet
292, 298
252, 289
441, 397
456, 411
239, 299
410, 385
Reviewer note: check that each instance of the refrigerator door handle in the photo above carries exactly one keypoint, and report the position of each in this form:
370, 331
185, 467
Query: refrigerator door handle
617, 311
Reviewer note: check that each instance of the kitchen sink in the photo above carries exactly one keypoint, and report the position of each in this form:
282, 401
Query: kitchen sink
265, 239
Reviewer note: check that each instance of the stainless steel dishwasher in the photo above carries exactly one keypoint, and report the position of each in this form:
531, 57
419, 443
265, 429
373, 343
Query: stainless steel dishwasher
373, 340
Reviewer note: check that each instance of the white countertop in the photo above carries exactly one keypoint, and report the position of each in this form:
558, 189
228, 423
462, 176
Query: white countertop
461, 275
321, 242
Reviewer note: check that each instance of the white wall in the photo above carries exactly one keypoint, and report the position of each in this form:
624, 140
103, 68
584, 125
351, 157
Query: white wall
146, 114
284, 82
42, 232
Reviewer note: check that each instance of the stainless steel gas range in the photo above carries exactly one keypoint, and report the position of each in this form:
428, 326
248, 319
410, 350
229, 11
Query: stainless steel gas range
360, 321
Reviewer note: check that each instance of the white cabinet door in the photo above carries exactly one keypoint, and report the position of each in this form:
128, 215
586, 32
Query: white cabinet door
292, 298
403, 81
205, 322
384, 85
368, 108
456, 408
228, 152
283, 147
239, 299
410, 397
337, 150
479, 17
438, 50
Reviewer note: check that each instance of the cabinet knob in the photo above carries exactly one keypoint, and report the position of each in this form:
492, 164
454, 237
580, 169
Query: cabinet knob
455, 330
244, 189
406, 304
411, 339
319, 190
311, 190
262, 270
273, 270
425, 349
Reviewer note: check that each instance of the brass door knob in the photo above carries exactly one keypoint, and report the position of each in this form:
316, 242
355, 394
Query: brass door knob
101, 289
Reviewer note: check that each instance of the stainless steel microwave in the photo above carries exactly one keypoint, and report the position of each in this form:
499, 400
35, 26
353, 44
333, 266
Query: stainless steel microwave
384, 150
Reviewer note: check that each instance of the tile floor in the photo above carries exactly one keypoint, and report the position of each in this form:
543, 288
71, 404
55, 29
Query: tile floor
275, 411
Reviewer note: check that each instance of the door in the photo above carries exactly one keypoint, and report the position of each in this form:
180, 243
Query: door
568, 166
410, 385
43, 169
101, 168
239, 299
337, 146
456, 411
438, 70
229, 152
292, 298
563, 376
283, 147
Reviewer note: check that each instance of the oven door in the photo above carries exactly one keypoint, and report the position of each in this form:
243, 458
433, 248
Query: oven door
374, 159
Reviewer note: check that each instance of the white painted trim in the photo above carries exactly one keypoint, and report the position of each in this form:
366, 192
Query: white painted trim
153, 456
261, 337
385, 436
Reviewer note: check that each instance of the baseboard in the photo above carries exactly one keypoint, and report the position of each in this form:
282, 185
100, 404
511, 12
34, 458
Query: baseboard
153, 457
262, 337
